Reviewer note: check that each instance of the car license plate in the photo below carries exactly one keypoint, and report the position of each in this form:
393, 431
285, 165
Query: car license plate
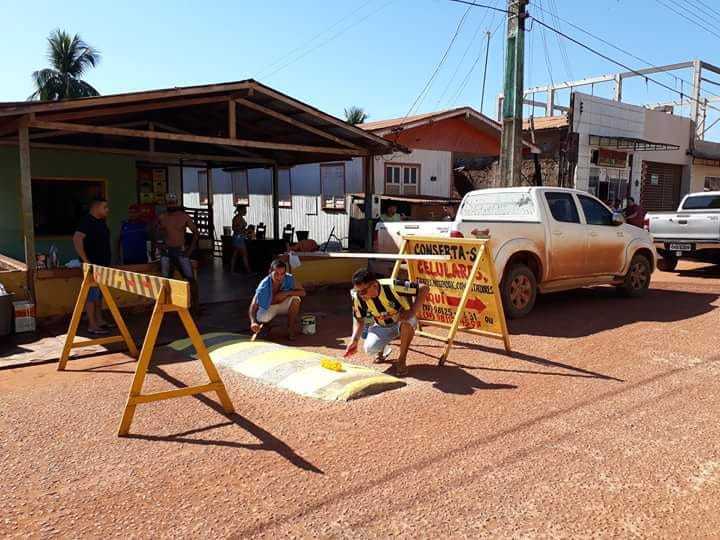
681, 247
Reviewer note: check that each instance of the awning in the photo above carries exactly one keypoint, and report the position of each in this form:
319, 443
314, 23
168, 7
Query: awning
630, 143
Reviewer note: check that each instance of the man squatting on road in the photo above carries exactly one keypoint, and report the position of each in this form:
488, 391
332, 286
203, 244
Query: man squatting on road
390, 304
277, 294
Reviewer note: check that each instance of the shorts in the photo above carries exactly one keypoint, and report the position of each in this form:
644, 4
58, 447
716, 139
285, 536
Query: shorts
94, 294
238, 241
172, 258
267, 315
379, 337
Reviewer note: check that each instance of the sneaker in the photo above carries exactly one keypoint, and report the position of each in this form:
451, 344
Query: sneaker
382, 357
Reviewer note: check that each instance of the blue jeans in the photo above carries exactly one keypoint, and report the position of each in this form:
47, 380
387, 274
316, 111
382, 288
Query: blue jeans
174, 257
380, 336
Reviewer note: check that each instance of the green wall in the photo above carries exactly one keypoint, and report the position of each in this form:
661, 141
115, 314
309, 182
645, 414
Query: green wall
118, 171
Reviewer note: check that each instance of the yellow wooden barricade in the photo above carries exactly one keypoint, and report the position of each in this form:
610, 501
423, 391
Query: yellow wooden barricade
464, 291
170, 295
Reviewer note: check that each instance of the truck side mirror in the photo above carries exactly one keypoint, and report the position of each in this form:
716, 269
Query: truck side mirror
618, 219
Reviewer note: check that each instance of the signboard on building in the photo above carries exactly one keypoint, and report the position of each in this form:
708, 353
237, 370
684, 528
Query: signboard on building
609, 158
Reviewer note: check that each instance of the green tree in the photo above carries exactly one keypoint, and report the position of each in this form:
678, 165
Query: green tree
70, 58
355, 115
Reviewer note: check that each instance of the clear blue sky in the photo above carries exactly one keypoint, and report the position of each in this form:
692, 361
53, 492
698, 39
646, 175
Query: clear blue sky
377, 54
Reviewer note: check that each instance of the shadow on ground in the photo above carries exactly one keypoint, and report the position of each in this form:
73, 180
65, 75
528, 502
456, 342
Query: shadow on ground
584, 312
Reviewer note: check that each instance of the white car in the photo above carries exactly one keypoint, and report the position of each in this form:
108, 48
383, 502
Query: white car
544, 239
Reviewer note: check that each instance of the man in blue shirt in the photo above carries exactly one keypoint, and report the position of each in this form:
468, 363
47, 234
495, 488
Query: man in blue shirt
132, 244
277, 294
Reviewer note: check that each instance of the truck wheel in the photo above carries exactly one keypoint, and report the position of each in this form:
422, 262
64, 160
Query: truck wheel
518, 291
637, 280
668, 262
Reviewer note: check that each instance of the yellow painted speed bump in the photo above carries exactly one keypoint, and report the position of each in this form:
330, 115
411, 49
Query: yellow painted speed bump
303, 372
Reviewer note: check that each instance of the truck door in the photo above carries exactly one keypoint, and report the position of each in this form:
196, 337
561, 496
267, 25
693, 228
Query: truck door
567, 237
606, 243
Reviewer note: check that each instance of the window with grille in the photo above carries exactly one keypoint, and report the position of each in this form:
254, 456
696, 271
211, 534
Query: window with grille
332, 182
402, 179
241, 191
712, 183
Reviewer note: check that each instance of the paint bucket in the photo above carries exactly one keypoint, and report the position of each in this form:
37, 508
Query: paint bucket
308, 325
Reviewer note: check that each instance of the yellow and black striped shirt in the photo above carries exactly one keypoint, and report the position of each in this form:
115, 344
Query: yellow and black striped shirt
395, 296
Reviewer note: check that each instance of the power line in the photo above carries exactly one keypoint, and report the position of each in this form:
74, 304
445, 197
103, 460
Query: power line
703, 11
278, 61
473, 4
681, 14
467, 49
429, 82
561, 43
331, 38
624, 51
709, 7
466, 79
548, 63
616, 62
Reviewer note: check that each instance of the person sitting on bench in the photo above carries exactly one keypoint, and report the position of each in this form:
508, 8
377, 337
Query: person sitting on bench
277, 294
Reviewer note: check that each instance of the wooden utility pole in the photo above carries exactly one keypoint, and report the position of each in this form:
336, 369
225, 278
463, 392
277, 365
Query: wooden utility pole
27, 206
512, 114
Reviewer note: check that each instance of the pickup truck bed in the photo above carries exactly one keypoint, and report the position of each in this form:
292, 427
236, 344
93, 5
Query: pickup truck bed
693, 232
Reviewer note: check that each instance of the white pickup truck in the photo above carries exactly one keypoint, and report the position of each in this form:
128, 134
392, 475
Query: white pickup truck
693, 232
544, 240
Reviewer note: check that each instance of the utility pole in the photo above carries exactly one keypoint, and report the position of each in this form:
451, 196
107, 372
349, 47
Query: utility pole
487, 55
512, 147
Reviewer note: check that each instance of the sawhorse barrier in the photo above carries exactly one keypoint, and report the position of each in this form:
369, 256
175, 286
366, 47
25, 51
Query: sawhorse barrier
464, 290
170, 295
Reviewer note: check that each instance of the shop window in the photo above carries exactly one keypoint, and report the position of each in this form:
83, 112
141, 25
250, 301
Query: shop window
712, 183
60, 203
332, 184
284, 188
240, 188
203, 187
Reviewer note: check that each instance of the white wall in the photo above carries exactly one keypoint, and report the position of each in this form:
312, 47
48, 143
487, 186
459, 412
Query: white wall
599, 116
437, 163
699, 172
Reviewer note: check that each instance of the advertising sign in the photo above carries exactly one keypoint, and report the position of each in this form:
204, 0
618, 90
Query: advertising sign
464, 293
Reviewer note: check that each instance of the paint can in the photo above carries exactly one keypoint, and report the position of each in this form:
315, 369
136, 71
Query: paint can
308, 325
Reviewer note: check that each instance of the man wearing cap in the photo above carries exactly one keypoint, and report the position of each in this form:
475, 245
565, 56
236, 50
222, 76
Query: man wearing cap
173, 253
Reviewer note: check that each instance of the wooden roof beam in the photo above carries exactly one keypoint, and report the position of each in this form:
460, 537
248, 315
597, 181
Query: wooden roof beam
129, 109
161, 135
144, 153
287, 119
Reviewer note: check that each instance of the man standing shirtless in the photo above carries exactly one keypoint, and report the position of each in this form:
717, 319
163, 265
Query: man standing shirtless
173, 254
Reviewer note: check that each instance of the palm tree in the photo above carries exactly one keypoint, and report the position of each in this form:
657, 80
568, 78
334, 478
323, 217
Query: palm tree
355, 115
70, 58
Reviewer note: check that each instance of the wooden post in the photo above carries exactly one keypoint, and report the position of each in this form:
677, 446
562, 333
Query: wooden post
276, 202
461, 307
143, 363
232, 119
27, 206
369, 189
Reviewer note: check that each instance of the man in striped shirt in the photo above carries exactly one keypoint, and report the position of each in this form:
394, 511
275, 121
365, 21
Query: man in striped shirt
393, 306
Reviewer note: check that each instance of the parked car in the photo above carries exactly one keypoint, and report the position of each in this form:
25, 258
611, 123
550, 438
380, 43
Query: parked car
692, 232
544, 240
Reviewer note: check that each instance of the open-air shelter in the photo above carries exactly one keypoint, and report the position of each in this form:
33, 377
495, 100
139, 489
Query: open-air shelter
240, 124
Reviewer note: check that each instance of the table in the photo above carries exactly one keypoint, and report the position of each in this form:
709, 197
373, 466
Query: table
260, 253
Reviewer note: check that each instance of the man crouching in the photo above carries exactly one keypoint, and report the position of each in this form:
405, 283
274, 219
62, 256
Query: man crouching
277, 294
390, 304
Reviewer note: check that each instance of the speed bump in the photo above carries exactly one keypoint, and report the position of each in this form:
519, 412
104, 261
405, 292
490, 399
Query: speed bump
290, 368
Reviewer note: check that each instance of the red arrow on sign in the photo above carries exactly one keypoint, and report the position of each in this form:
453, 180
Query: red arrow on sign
472, 303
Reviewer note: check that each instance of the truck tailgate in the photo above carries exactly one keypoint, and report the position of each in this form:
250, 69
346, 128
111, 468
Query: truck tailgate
685, 226
389, 235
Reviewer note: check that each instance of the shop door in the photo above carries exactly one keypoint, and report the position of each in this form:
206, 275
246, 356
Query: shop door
660, 189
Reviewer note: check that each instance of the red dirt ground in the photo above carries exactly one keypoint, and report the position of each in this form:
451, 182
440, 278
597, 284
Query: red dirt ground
602, 423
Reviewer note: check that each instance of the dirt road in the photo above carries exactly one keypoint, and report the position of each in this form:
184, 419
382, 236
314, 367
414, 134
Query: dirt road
604, 422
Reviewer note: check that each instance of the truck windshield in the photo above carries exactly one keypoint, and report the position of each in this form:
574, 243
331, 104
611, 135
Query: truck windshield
518, 206
702, 202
